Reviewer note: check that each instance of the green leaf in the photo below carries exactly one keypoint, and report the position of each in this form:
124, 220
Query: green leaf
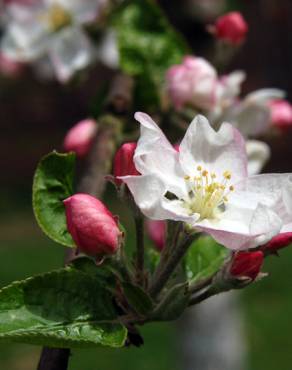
204, 258
53, 182
64, 308
173, 304
148, 46
137, 298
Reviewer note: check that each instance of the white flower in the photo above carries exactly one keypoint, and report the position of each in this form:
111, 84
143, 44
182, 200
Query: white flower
206, 185
258, 154
195, 82
51, 28
252, 115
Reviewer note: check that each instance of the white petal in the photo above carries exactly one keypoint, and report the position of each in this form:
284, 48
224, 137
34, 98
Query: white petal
258, 153
214, 151
25, 41
271, 190
83, 11
148, 192
70, 51
243, 227
155, 155
265, 95
108, 52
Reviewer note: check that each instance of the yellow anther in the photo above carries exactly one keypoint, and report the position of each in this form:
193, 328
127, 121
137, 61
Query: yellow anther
225, 199
187, 178
199, 168
205, 173
222, 187
227, 175
231, 188
213, 175
58, 17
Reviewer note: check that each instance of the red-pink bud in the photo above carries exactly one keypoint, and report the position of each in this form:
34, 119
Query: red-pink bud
124, 162
157, 232
247, 264
92, 226
281, 114
278, 242
80, 137
9, 67
231, 27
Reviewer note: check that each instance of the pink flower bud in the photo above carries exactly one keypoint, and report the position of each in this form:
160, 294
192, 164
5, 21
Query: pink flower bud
124, 162
281, 114
231, 27
80, 137
157, 232
192, 82
278, 242
9, 67
92, 226
247, 264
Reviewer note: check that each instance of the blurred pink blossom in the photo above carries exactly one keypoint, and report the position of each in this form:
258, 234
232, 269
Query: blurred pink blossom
281, 114
79, 138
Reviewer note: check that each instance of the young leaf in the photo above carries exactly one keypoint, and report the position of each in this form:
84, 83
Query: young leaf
64, 308
148, 45
53, 182
204, 258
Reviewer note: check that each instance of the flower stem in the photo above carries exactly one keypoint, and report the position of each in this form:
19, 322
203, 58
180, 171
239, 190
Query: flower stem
139, 223
202, 297
164, 271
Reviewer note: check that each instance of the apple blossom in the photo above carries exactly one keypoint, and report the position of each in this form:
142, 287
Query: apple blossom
157, 232
258, 153
123, 162
206, 185
195, 82
281, 114
10, 68
252, 115
53, 28
92, 226
231, 27
79, 138
247, 264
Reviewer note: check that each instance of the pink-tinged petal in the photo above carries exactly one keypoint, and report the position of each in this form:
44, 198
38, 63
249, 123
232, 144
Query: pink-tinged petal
241, 228
80, 137
258, 153
149, 195
192, 82
214, 151
155, 155
70, 52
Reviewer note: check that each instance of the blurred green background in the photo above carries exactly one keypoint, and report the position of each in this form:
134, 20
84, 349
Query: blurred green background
34, 117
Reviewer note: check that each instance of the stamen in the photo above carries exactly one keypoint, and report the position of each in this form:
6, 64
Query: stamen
207, 196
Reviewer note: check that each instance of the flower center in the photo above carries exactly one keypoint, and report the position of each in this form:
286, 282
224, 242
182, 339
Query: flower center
207, 195
58, 17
